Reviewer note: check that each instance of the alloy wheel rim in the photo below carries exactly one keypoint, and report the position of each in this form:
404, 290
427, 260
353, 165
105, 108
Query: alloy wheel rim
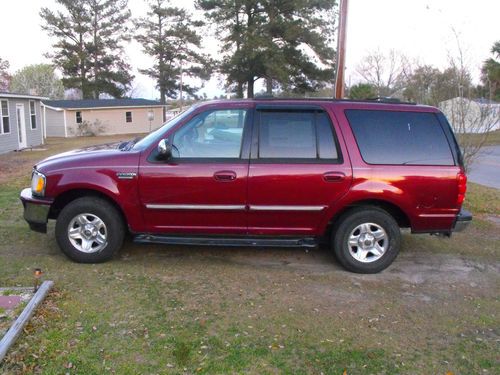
88, 233
368, 242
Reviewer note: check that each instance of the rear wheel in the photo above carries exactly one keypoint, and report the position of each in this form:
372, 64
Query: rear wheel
366, 240
89, 230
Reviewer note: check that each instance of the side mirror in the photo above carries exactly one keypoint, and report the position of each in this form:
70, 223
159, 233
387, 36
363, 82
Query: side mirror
164, 149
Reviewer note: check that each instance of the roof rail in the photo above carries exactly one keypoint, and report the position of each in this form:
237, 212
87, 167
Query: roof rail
384, 99
378, 99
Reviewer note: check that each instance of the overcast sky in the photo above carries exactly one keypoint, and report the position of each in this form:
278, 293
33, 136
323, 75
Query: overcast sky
421, 29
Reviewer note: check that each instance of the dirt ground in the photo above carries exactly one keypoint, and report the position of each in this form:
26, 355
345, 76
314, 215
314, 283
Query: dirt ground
191, 310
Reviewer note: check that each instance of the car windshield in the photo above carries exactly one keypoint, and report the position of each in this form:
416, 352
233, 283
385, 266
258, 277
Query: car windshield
146, 141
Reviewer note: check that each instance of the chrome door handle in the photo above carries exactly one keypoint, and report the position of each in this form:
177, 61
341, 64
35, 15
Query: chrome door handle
333, 176
225, 176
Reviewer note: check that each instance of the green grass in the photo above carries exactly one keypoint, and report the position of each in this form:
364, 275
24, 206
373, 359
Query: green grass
482, 199
493, 138
167, 309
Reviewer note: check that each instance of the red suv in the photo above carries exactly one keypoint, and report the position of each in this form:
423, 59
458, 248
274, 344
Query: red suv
262, 172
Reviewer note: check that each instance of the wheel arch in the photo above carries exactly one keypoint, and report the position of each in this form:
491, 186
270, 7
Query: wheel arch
63, 199
392, 209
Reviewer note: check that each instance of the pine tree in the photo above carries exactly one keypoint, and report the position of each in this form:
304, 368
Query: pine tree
110, 72
286, 42
89, 43
170, 36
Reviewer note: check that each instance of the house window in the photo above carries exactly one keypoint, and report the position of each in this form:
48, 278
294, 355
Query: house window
128, 116
4, 117
78, 117
33, 114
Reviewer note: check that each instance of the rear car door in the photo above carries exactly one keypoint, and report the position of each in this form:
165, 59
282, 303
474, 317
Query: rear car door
298, 168
202, 188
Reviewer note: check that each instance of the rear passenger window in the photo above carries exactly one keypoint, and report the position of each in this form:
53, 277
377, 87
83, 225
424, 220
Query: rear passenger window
296, 135
403, 138
327, 148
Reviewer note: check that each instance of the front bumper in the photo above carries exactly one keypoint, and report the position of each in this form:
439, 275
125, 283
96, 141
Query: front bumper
463, 220
36, 210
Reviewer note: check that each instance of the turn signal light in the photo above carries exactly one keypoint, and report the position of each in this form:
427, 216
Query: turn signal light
462, 187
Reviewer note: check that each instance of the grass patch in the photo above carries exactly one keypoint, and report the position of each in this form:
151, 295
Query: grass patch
179, 310
493, 138
482, 199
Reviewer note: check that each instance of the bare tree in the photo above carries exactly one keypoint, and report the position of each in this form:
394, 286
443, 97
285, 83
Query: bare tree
383, 71
472, 119
38, 79
5, 77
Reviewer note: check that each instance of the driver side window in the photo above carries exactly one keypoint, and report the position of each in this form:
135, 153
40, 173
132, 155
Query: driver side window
212, 134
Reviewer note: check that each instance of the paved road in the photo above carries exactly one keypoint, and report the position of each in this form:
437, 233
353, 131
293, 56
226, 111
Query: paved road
486, 168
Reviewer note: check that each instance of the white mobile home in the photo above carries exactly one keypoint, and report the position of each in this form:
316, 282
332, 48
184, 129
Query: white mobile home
21, 121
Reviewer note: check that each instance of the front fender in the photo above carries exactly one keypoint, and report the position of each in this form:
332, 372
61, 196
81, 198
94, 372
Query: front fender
104, 181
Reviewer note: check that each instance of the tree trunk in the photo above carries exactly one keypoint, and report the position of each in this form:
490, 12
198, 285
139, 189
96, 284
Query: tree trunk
269, 86
163, 94
239, 90
96, 57
250, 84
83, 78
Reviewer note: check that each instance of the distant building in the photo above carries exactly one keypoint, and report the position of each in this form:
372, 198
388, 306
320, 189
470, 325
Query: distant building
21, 121
66, 118
472, 116
172, 112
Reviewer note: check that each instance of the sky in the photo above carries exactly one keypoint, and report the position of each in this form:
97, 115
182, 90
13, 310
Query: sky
423, 30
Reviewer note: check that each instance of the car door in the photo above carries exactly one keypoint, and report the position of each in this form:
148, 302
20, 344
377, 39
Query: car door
201, 188
297, 170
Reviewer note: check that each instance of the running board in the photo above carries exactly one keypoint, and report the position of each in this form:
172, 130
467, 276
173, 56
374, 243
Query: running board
227, 241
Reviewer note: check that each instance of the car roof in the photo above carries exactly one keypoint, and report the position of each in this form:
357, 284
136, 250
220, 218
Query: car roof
389, 104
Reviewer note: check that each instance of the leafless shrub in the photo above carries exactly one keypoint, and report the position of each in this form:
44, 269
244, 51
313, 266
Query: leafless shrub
472, 121
90, 129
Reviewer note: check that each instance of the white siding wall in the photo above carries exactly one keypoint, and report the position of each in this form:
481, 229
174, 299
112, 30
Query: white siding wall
55, 122
33, 136
10, 141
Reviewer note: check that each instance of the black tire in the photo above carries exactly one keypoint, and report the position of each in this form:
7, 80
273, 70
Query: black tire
90, 208
347, 225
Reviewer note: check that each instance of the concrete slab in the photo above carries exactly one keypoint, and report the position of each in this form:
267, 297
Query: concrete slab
9, 302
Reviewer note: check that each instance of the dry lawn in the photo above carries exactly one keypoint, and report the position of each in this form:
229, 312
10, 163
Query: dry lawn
169, 309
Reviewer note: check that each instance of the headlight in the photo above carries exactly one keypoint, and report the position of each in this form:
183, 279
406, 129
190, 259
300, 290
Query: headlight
38, 183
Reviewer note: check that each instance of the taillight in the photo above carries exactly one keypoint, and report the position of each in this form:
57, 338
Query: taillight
462, 187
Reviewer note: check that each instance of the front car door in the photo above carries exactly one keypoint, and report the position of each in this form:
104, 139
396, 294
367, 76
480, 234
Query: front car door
298, 169
202, 188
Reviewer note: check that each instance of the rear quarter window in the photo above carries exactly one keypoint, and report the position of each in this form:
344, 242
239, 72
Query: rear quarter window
401, 138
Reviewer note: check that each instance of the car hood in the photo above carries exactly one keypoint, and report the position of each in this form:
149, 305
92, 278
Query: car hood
93, 156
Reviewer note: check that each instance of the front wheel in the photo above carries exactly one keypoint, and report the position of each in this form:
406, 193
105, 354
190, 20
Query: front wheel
89, 230
366, 240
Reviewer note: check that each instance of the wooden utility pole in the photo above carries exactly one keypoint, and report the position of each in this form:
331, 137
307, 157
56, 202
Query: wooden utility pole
341, 37
181, 86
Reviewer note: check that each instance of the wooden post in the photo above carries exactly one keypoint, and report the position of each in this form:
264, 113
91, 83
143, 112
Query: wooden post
15, 330
181, 88
341, 39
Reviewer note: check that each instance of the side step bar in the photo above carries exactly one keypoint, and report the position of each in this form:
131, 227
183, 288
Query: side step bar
227, 241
